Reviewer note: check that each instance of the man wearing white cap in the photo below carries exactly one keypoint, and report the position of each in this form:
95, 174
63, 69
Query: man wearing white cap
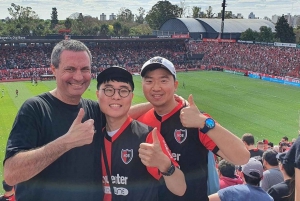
179, 124
252, 174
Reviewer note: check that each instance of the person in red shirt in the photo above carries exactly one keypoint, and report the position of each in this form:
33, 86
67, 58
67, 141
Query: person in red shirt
227, 176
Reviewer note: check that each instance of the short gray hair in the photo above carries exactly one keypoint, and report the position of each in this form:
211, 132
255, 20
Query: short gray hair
72, 45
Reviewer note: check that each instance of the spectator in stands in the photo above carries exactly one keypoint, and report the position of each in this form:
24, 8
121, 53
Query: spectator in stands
266, 144
252, 173
293, 155
227, 176
9, 192
248, 140
272, 174
260, 145
284, 191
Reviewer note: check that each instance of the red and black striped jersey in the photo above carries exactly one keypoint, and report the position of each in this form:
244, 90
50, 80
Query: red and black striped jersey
131, 179
189, 148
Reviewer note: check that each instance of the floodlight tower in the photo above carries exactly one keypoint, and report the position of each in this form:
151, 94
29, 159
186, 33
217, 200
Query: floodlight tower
223, 16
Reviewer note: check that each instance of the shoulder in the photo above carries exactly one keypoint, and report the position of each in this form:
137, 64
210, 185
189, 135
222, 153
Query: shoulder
139, 127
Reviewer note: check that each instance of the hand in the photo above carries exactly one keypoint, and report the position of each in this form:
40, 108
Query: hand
190, 116
152, 155
180, 99
79, 133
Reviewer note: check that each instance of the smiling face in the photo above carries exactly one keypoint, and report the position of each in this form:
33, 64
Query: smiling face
73, 76
159, 87
114, 107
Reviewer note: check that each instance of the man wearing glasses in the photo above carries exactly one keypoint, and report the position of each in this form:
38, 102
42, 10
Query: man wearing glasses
134, 156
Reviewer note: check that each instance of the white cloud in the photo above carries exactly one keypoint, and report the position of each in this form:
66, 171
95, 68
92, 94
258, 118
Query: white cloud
94, 8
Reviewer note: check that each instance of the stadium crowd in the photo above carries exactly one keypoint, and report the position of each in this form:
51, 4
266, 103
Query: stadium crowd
18, 62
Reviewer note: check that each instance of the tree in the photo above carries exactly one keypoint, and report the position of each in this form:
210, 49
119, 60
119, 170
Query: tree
183, 8
196, 11
209, 12
140, 17
228, 14
68, 23
54, 16
160, 13
125, 31
21, 14
125, 15
142, 29
117, 27
249, 35
266, 34
284, 31
104, 29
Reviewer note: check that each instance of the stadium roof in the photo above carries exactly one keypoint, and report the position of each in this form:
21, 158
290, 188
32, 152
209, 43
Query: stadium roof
203, 25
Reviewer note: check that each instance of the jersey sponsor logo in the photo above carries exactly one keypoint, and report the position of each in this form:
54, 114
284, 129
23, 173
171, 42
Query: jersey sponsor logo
117, 191
126, 155
180, 135
115, 179
120, 191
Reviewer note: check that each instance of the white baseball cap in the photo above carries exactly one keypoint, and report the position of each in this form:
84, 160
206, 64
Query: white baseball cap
162, 62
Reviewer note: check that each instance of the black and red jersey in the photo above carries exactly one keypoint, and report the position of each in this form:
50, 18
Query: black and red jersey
189, 148
131, 179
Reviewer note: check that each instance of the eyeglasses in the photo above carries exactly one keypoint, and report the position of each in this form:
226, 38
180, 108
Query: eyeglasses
110, 91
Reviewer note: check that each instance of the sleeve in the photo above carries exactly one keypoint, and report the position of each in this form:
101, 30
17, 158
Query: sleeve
154, 171
25, 130
274, 194
264, 183
295, 153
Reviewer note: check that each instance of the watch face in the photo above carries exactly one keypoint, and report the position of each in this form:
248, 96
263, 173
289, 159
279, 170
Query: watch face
210, 123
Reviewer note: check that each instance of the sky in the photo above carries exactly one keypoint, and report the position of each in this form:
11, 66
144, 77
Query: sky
95, 8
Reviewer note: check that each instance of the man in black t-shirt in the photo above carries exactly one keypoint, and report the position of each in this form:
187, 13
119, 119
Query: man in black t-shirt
248, 140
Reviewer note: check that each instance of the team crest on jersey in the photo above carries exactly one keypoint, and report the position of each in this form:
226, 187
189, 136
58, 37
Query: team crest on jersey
126, 155
180, 135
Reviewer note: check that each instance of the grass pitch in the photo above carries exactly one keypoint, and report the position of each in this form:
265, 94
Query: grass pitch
241, 104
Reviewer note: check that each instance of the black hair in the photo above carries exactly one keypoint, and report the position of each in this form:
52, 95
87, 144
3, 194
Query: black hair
248, 138
252, 181
270, 157
227, 169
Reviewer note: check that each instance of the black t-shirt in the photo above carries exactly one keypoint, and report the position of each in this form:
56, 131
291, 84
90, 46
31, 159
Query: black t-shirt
257, 154
280, 191
76, 175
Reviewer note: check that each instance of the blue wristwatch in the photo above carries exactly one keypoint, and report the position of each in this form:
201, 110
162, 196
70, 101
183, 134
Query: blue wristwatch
209, 124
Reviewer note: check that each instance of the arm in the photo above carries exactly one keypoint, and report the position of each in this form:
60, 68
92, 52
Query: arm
152, 155
297, 184
138, 110
26, 164
228, 143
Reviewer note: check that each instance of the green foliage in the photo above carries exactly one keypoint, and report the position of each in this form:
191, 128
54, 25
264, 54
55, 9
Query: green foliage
117, 27
266, 34
68, 23
21, 14
161, 12
209, 12
249, 35
104, 29
140, 17
284, 31
142, 29
54, 17
125, 15
196, 11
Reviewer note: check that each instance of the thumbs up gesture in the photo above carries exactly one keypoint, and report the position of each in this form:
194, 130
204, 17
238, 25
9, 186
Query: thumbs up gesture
190, 116
80, 133
151, 154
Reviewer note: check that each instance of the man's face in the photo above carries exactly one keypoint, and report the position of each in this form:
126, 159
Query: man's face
114, 106
73, 75
159, 87
260, 146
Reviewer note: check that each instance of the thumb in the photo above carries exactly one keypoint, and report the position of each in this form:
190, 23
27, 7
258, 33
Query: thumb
154, 136
191, 100
79, 117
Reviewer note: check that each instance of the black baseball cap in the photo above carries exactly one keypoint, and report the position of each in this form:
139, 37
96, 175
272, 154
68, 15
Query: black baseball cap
115, 73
